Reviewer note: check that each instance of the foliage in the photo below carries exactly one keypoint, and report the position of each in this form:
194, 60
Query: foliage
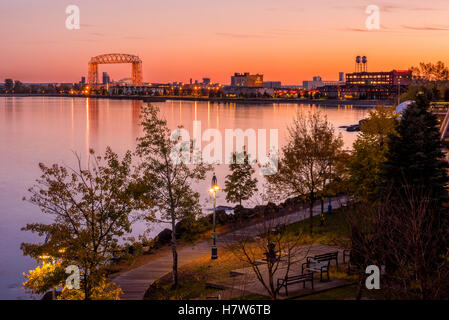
91, 209
307, 159
165, 178
432, 90
240, 185
103, 291
430, 72
369, 152
414, 155
44, 277
9, 84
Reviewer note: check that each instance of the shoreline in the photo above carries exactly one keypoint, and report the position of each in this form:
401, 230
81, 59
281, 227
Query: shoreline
330, 102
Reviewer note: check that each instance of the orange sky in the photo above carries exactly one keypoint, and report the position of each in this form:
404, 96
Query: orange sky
286, 40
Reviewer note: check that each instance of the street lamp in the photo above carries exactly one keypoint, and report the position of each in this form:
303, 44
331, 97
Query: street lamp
213, 190
329, 206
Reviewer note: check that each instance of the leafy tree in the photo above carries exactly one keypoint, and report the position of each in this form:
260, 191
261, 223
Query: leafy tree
166, 178
304, 166
240, 184
104, 290
91, 209
51, 275
430, 72
9, 84
44, 277
369, 152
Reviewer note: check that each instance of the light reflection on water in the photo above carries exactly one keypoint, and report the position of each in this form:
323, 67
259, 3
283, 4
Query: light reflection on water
49, 130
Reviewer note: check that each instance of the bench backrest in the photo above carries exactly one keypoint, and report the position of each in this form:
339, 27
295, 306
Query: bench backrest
326, 256
319, 263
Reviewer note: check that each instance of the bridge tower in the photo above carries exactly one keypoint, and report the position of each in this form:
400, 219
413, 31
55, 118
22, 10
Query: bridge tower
113, 58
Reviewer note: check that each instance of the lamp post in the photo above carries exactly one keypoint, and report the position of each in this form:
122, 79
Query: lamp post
213, 190
329, 206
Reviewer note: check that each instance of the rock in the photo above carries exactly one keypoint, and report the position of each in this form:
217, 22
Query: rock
221, 217
164, 237
181, 227
241, 213
270, 209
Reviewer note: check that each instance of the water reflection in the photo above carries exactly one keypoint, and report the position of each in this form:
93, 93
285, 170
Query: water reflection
40, 129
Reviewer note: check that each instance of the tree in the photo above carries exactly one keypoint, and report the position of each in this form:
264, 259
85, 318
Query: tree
369, 152
51, 275
91, 208
304, 166
278, 249
240, 184
9, 84
415, 153
402, 235
166, 178
430, 72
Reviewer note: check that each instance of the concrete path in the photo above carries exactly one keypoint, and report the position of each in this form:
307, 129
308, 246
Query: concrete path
135, 282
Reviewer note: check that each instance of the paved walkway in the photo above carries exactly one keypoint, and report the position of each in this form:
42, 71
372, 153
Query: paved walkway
134, 283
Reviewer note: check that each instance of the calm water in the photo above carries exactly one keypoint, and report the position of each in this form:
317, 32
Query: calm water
49, 130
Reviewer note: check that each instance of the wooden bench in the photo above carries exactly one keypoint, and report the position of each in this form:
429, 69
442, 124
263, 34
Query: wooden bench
295, 279
317, 266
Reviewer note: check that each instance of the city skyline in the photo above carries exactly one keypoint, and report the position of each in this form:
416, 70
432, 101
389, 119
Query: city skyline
289, 41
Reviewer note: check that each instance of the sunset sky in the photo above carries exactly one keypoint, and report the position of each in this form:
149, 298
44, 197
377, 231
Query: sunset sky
286, 40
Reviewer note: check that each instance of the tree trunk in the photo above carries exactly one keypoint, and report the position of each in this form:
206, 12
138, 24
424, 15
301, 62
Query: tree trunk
175, 255
358, 293
312, 200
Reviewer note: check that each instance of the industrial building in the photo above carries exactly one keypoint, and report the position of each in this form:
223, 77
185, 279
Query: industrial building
247, 80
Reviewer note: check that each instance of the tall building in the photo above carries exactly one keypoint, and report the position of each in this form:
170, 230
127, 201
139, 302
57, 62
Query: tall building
83, 80
341, 76
106, 78
206, 81
247, 80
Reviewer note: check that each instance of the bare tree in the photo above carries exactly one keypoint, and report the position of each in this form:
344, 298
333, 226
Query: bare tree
269, 250
406, 235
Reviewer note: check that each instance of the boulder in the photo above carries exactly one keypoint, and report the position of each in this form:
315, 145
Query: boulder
181, 227
164, 237
241, 213
270, 209
221, 217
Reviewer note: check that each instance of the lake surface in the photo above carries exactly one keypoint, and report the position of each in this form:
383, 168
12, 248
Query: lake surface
50, 130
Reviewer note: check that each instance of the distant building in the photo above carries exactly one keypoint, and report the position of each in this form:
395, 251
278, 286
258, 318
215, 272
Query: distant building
248, 92
206, 81
83, 80
370, 85
317, 82
341, 76
247, 80
272, 84
393, 77
106, 78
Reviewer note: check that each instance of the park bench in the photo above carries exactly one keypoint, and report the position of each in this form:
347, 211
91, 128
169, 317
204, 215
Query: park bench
295, 279
317, 266
326, 256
